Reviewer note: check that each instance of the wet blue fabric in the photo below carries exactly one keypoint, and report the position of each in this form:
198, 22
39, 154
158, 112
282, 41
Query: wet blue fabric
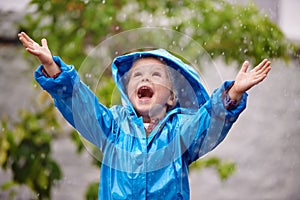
135, 166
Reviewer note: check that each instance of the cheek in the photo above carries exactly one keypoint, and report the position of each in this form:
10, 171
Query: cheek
130, 88
163, 87
164, 93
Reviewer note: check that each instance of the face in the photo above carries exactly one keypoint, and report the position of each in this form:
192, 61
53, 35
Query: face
149, 88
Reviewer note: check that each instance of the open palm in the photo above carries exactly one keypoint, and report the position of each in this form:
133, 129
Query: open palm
41, 52
246, 80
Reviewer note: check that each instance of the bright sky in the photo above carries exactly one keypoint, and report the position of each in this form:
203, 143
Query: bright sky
289, 20
15, 5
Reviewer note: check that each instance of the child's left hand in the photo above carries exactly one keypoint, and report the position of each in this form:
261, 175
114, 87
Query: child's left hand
246, 80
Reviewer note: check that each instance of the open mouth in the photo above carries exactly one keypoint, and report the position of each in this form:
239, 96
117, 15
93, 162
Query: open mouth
145, 92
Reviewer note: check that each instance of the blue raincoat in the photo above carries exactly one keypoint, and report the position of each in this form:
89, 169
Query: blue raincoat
135, 166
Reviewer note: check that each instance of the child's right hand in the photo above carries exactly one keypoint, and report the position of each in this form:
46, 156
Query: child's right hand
42, 53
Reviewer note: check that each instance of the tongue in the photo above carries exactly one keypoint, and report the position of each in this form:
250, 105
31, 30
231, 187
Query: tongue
145, 92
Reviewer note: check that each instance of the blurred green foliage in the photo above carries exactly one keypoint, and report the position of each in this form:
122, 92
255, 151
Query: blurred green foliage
25, 149
231, 32
224, 168
92, 191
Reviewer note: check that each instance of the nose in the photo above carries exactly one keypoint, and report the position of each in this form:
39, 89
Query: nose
145, 78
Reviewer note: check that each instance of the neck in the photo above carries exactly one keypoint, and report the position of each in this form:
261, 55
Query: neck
157, 116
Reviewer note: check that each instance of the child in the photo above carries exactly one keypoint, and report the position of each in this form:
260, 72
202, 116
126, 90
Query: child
167, 120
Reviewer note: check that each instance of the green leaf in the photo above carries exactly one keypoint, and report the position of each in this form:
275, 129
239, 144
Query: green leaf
8, 185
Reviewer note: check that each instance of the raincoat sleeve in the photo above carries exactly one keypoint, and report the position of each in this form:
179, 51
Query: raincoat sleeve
78, 104
215, 122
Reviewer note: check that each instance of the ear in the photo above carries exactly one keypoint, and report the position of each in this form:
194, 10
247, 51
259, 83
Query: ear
172, 100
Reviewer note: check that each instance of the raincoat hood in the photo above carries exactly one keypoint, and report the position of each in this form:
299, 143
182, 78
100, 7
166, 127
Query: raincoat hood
189, 91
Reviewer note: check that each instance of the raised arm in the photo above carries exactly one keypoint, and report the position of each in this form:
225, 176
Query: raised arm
76, 102
42, 53
215, 118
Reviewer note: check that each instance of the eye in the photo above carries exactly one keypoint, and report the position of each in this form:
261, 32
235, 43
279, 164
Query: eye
158, 74
136, 74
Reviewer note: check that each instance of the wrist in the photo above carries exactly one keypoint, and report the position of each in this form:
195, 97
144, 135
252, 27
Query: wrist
234, 94
51, 69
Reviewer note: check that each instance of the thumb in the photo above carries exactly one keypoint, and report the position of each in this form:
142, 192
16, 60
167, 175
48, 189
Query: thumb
245, 66
44, 43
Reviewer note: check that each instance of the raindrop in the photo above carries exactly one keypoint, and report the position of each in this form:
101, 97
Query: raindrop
103, 1
285, 93
225, 27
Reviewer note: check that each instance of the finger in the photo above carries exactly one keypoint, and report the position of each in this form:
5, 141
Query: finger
26, 37
259, 79
261, 64
22, 37
245, 66
44, 43
33, 51
24, 42
265, 68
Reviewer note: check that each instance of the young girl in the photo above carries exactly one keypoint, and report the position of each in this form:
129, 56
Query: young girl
166, 122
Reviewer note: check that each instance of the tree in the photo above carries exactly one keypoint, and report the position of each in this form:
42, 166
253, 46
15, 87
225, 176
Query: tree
232, 32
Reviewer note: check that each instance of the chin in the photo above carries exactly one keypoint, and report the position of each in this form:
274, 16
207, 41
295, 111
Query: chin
143, 111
